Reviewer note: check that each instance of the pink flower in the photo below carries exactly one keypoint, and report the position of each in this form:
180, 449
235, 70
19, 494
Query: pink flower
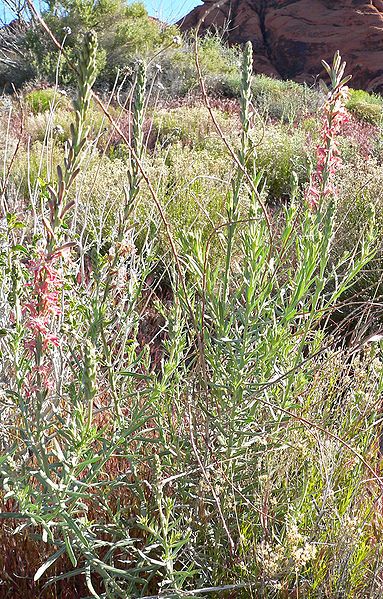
40, 311
39, 379
328, 155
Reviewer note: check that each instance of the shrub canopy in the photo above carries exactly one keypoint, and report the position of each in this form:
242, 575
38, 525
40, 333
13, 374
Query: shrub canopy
124, 30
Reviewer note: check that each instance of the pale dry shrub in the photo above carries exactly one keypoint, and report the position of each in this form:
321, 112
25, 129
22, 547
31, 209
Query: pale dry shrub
193, 126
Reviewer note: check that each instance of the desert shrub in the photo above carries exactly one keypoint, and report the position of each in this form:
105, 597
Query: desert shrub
192, 199
360, 190
101, 185
219, 65
217, 58
42, 100
281, 152
193, 183
310, 125
360, 201
173, 74
284, 100
192, 126
176, 418
125, 30
50, 113
48, 126
365, 106
48, 63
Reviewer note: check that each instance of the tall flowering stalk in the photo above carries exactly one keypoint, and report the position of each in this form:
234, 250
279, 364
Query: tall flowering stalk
45, 284
245, 155
334, 116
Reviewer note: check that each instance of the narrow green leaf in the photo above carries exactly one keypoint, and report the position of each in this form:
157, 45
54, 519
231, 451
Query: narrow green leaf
51, 560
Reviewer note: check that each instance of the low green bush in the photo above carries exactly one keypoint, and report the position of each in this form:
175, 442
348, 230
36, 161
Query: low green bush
281, 152
50, 113
284, 100
192, 126
177, 73
41, 100
365, 106
360, 202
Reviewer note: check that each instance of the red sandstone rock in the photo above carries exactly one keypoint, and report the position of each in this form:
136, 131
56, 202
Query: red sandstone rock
291, 37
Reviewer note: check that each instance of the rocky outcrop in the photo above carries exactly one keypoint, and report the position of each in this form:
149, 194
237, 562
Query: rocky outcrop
291, 37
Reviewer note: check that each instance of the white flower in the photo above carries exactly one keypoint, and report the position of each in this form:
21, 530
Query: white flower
58, 130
